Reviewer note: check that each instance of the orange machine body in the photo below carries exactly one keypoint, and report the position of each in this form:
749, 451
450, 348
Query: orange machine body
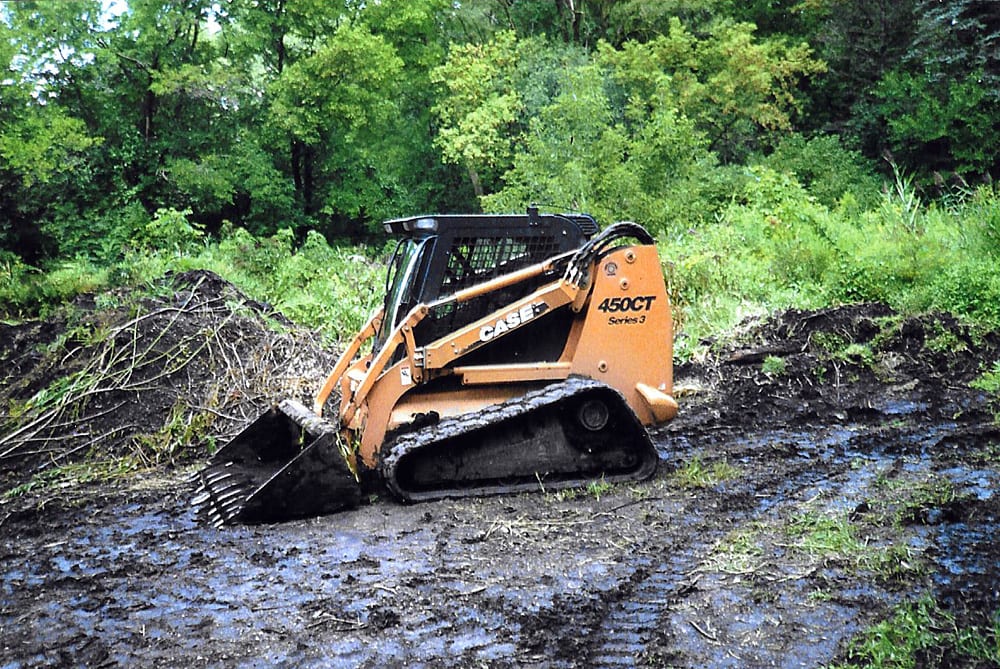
619, 332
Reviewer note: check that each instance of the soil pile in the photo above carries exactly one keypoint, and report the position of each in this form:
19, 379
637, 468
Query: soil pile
833, 365
133, 382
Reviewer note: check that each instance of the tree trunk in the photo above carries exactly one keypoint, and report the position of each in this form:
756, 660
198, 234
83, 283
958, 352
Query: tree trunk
477, 187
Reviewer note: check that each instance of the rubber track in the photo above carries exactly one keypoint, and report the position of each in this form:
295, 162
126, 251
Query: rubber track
520, 407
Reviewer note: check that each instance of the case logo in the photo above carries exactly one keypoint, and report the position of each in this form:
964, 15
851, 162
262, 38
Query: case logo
512, 320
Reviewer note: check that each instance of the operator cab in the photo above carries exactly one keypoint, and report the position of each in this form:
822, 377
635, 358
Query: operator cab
440, 255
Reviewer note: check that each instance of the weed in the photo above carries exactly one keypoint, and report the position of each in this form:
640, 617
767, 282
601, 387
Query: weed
861, 353
924, 498
640, 493
943, 340
566, 494
890, 328
820, 596
773, 366
834, 347
598, 488
696, 474
989, 381
827, 344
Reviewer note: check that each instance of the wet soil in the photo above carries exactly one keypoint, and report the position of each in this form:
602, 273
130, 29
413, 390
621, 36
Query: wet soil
825, 468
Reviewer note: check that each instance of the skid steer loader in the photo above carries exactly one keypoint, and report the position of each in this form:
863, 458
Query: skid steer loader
512, 352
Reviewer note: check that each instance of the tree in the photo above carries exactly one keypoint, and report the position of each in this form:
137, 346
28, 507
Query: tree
941, 102
743, 93
338, 102
860, 41
592, 149
43, 146
479, 107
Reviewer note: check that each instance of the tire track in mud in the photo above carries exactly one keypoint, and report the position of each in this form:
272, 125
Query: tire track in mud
625, 633
650, 608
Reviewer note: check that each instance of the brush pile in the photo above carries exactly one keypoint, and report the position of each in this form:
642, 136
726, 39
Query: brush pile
121, 382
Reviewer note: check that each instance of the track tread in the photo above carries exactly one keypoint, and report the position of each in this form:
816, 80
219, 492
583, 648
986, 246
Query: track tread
519, 407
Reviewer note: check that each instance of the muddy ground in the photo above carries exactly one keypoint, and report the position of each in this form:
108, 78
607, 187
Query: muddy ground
826, 468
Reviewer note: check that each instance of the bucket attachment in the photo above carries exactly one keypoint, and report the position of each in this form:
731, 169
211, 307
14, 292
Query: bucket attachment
286, 464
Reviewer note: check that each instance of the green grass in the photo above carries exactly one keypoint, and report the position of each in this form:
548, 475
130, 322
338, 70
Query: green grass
921, 633
697, 474
823, 537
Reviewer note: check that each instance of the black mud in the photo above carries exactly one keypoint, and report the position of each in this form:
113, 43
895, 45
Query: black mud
826, 467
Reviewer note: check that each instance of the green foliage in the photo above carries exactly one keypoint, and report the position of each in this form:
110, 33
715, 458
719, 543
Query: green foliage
338, 103
989, 381
830, 172
586, 148
343, 88
16, 282
773, 366
170, 230
939, 100
479, 106
769, 249
739, 89
43, 144
332, 289
25, 290
958, 115
774, 246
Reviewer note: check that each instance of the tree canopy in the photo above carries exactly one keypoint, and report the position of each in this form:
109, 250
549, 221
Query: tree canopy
276, 114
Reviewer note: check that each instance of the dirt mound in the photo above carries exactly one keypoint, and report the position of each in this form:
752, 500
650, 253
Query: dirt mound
134, 381
801, 367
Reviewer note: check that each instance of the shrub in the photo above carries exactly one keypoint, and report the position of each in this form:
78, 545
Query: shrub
170, 230
827, 169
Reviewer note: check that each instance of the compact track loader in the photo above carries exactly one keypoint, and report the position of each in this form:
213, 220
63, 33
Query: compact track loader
512, 352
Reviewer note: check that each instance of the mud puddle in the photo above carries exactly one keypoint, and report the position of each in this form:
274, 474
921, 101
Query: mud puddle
649, 574
789, 514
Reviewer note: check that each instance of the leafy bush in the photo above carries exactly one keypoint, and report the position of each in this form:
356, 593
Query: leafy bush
827, 169
970, 289
767, 249
102, 234
171, 230
16, 284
